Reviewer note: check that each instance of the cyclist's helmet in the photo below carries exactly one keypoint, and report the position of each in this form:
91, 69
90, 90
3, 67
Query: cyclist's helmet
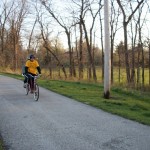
32, 56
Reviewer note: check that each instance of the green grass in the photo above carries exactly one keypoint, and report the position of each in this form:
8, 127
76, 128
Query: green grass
134, 105
1, 143
1, 148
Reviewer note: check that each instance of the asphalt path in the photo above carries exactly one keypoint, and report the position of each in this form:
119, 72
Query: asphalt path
59, 123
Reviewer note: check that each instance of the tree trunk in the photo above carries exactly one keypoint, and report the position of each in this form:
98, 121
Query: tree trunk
80, 52
119, 65
138, 67
143, 66
91, 66
126, 53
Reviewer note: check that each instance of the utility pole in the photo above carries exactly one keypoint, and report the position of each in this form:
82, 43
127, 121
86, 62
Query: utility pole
107, 58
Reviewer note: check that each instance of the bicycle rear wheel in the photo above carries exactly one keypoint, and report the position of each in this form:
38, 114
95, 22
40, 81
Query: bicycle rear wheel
36, 93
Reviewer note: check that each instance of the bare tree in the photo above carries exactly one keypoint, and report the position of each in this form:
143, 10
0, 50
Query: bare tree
60, 21
133, 48
120, 52
48, 47
15, 20
139, 23
6, 10
85, 7
30, 36
115, 13
80, 47
89, 39
126, 21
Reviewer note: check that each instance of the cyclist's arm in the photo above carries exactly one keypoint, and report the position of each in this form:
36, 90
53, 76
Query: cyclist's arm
39, 69
26, 69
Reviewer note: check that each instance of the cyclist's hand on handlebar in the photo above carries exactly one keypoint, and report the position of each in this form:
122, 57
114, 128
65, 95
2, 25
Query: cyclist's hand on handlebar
23, 74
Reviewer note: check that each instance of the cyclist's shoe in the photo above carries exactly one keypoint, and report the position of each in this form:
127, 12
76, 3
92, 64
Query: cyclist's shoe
25, 85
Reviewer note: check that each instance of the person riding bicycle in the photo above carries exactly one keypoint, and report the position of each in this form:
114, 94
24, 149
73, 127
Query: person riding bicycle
31, 68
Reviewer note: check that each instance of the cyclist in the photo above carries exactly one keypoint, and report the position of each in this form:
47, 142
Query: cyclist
31, 67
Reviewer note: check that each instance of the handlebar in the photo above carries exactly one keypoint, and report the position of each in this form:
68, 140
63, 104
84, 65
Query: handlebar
36, 76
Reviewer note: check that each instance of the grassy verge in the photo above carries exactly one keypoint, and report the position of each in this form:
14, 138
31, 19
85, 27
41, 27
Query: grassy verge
1, 148
132, 105
1, 144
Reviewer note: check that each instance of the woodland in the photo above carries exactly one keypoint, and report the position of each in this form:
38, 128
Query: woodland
67, 38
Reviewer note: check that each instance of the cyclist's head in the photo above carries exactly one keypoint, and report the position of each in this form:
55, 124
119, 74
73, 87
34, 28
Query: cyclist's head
32, 57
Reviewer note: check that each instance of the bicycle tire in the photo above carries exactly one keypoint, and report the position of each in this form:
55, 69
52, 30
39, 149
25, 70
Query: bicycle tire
27, 89
36, 93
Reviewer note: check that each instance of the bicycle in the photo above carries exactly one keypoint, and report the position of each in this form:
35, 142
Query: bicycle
32, 87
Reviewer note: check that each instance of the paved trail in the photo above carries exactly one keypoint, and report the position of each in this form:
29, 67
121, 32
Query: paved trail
59, 123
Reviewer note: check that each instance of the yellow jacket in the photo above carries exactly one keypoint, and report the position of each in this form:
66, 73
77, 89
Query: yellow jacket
32, 66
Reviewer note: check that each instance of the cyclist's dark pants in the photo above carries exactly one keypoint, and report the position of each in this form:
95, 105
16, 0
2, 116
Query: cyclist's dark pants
27, 76
25, 79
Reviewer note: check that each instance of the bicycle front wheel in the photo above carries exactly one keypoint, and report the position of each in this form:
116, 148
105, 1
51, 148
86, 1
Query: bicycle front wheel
36, 93
27, 89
